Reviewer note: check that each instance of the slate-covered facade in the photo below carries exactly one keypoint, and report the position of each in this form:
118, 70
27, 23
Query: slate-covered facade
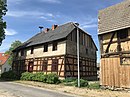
114, 37
54, 50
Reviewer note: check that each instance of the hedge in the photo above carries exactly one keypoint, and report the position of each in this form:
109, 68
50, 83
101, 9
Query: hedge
51, 78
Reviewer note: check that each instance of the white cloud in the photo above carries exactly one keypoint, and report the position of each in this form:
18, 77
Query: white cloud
88, 23
50, 1
28, 13
42, 17
50, 20
89, 26
10, 32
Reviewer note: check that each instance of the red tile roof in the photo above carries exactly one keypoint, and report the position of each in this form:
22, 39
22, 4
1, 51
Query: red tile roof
3, 58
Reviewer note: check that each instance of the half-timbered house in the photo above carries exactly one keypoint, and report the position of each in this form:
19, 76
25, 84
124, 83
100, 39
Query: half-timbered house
54, 50
114, 37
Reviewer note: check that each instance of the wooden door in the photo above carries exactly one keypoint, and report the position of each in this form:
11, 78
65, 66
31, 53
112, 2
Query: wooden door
30, 67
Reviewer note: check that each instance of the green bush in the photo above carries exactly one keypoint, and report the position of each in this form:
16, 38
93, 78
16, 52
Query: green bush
83, 83
95, 85
69, 81
10, 75
44, 78
52, 78
38, 77
27, 76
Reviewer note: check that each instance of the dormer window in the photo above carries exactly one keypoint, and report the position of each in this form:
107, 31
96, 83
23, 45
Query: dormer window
45, 47
54, 46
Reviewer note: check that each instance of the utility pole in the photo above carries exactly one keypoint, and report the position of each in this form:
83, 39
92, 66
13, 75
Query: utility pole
76, 26
78, 57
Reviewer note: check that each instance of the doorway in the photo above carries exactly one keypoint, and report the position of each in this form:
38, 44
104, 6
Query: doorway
30, 67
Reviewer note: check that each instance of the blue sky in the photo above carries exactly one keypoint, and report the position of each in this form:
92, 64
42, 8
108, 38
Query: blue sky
25, 16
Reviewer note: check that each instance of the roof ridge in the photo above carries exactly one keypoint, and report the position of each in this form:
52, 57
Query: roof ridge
59, 33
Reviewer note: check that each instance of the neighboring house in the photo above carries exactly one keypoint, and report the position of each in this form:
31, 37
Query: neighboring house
54, 50
4, 66
114, 37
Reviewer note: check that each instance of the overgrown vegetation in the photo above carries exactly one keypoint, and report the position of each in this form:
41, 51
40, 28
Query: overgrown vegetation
3, 10
51, 78
83, 83
69, 81
10, 75
95, 85
13, 46
27, 76
74, 82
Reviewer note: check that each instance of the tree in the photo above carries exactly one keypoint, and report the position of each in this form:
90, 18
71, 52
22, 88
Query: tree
14, 45
3, 11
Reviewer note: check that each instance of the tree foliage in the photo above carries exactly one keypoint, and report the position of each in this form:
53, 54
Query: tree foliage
13, 46
3, 11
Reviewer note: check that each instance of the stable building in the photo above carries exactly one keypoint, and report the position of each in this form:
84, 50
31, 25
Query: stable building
55, 50
114, 37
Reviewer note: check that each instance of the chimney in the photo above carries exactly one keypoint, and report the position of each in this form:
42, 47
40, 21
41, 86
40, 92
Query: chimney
46, 30
40, 27
54, 27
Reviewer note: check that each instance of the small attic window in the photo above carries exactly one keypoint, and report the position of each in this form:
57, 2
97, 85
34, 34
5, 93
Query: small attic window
45, 48
54, 46
32, 50
122, 34
86, 51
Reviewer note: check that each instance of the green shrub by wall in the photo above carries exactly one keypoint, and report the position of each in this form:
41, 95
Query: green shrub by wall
27, 76
83, 83
38, 77
69, 81
9, 75
52, 78
95, 85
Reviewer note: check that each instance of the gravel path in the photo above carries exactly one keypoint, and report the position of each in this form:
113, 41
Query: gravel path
9, 89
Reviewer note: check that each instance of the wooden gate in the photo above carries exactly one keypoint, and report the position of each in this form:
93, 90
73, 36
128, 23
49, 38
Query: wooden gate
112, 73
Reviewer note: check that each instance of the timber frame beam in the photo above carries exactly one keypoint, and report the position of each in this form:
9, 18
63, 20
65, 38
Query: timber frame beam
121, 40
107, 49
116, 53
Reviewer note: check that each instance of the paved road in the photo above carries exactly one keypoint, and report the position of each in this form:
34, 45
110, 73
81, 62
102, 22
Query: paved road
28, 91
